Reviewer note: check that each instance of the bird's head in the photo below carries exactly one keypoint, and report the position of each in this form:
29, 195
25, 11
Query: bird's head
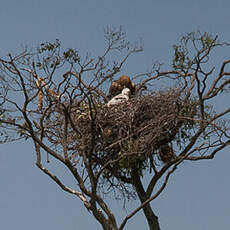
126, 91
124, 80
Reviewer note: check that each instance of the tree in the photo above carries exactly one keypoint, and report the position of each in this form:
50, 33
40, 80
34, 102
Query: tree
57, 98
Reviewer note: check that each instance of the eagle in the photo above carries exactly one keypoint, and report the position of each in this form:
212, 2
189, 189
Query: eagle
118, 85
122, 97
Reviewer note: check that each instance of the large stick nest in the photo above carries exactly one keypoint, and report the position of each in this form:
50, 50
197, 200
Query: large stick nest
131, 134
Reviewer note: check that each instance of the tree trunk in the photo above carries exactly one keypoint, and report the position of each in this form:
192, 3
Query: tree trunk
105, 223
152, 219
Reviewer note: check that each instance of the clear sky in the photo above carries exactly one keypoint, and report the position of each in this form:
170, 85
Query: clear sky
197, 196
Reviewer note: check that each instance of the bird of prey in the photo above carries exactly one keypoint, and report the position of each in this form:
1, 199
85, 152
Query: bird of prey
122, 97
118, 85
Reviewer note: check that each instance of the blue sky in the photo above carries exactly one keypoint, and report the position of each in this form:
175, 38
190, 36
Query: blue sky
197, 196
